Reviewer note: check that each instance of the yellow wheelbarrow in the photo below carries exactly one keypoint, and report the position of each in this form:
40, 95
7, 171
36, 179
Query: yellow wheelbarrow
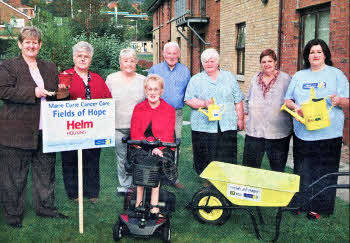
235, 186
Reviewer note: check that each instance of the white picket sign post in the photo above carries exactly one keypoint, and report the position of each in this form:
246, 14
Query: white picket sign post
77, 125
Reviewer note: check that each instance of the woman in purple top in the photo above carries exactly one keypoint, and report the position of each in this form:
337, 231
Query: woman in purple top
267, 128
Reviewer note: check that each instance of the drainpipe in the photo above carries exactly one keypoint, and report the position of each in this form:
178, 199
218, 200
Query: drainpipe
191, 36
279, 44
160, 43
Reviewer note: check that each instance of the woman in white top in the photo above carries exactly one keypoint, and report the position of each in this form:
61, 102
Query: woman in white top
126, 87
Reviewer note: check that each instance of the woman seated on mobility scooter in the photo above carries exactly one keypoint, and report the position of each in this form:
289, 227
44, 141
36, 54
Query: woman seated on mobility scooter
153, 119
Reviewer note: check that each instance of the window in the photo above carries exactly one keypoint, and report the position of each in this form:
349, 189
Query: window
18, 23
169, 10
314, 24
202, 48
178, 40
203, 7
218, 40
240, 48
162, 20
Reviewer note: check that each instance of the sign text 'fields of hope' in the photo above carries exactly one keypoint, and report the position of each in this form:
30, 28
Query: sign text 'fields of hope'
78, 124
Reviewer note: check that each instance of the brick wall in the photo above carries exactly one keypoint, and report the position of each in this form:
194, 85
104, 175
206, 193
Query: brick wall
185, 48
156, 46
338, 38
261, 33
166, 30
210, 31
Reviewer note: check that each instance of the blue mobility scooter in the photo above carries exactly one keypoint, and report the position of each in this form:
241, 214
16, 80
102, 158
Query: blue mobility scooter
139, 221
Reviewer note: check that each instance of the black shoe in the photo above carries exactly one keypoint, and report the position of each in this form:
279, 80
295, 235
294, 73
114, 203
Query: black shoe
16, 225
53, 214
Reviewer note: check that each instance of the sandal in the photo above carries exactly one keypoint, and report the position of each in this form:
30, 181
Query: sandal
156, 214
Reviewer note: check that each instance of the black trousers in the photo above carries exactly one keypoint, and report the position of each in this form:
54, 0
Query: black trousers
207, 147
276, 150
14, 168
312, 160
91, 173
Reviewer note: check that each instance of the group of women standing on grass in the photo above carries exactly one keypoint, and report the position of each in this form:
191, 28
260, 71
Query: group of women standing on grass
315, 152
269, 130
27, 82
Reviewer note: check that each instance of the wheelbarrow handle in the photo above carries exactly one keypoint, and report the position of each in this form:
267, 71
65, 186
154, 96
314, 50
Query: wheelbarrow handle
345, 173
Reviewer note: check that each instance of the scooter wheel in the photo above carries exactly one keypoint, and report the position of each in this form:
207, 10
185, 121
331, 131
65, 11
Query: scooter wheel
118, 231
210, 197
166, 233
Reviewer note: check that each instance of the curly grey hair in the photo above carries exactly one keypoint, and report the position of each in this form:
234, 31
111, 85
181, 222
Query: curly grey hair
210, 53
127, 52
83, 46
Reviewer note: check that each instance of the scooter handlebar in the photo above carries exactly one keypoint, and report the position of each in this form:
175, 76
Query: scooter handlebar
156, 143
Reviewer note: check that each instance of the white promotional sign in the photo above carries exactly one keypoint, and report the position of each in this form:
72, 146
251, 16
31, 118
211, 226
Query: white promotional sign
244, 192
78, 124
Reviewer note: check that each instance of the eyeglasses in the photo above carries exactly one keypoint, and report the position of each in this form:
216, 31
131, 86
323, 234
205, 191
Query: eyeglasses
156, 90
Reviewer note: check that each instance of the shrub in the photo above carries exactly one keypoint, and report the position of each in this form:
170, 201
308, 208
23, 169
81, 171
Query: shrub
106, 52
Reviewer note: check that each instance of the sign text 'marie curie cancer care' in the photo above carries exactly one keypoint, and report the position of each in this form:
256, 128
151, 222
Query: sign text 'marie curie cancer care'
78, 124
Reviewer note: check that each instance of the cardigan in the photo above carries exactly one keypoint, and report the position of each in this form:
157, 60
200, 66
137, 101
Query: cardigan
126, 96
265, 120
98, 87
162, 118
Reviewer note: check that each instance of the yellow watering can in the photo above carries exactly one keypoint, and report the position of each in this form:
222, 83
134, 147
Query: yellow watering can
214, 111
316, 115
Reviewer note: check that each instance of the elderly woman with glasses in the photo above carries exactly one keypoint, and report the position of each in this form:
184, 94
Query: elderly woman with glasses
153, 119
85, 85
127, 90
214, 140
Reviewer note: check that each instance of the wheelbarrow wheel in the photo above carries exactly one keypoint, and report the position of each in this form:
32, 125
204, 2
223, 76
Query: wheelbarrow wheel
210, 197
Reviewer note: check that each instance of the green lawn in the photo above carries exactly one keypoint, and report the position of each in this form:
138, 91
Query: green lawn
100, 218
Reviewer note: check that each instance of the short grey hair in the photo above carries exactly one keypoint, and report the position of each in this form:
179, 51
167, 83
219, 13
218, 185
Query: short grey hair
127, 52
83, 46
171, 44
210, 53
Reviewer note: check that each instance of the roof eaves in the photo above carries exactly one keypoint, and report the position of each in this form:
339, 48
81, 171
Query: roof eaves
154, 5
15, 9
